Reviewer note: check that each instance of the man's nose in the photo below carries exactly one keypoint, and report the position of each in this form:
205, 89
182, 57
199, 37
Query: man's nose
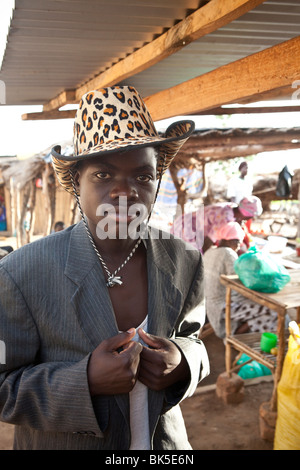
123, 187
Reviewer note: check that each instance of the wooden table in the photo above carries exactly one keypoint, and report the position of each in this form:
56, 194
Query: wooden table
288, 297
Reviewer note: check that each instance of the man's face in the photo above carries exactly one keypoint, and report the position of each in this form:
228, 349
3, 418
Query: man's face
244, 169
116, 189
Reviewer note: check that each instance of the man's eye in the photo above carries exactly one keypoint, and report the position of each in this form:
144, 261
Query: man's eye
103, 175
144, 178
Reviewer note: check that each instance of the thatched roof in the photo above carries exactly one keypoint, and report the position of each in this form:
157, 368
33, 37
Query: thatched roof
23, 171
221, 144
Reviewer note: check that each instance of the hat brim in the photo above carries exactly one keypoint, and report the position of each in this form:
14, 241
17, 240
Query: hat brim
169, 145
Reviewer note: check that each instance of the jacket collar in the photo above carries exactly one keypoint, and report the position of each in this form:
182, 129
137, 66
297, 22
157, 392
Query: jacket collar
82, 258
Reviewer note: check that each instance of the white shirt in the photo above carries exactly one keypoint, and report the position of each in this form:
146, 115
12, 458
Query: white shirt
238, 188
138, 400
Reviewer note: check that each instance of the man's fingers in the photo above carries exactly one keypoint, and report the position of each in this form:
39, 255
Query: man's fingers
151, 340
116, 342
132, 348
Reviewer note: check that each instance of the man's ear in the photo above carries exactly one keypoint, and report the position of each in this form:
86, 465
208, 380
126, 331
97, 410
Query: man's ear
76, 178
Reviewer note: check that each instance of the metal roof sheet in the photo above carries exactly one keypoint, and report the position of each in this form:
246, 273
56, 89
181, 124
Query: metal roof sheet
56, 45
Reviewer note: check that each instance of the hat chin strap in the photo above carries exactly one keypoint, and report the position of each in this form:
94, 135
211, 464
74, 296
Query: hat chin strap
112, 278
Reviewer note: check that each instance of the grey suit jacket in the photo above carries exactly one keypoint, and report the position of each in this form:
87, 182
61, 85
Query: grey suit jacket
54, 311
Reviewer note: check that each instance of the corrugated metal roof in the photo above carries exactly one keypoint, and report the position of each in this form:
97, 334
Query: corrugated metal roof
56, 45
267, 25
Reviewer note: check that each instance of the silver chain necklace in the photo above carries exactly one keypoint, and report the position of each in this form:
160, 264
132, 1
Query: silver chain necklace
112, 278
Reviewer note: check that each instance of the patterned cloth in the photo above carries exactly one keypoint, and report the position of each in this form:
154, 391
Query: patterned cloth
258, 317
193, 183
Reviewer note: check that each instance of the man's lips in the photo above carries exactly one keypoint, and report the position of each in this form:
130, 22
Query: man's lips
121, 215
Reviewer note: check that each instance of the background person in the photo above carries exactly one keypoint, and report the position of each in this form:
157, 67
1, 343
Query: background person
240, 187
3, 253
246, 315
3, 225
58, 226
201, 228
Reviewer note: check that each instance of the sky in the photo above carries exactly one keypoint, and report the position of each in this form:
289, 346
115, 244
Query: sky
26, 138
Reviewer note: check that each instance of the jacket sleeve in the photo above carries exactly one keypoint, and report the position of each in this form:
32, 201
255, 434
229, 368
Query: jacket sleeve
51, 396
190, 321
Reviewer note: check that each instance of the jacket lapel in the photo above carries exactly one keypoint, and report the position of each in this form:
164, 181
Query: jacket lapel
164, 303
90, 299
164, 298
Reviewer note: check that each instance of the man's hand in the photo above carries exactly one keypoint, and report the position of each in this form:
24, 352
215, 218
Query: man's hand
111, 372
161, 364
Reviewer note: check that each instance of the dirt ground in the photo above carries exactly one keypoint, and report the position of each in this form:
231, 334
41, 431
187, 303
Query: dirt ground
211, 424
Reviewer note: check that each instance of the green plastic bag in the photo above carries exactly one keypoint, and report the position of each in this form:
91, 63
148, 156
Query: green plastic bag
259, 271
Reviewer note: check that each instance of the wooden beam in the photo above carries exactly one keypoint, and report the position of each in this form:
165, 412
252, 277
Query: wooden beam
272, 69
42, 116
251, 110
206, 19
276, 94
66, 97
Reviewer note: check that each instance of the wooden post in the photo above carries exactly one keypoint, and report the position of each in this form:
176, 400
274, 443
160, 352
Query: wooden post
48, 193
24, 212
73, 211
298, 229
181, 193
280, 358
298, 315
12, 206
18, 214
228, 331
31, 209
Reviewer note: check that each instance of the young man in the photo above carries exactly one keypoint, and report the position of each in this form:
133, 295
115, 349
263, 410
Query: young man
101, 320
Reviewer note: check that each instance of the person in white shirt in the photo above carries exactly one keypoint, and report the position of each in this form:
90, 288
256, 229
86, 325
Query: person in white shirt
240, 186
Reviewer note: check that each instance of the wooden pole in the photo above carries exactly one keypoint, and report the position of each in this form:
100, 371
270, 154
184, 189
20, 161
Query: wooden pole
18, 214
228, 331
12, 205
31, 208
24, 214
181, 193
280, 358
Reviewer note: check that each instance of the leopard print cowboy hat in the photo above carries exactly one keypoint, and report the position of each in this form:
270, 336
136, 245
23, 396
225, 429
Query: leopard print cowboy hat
113, 119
